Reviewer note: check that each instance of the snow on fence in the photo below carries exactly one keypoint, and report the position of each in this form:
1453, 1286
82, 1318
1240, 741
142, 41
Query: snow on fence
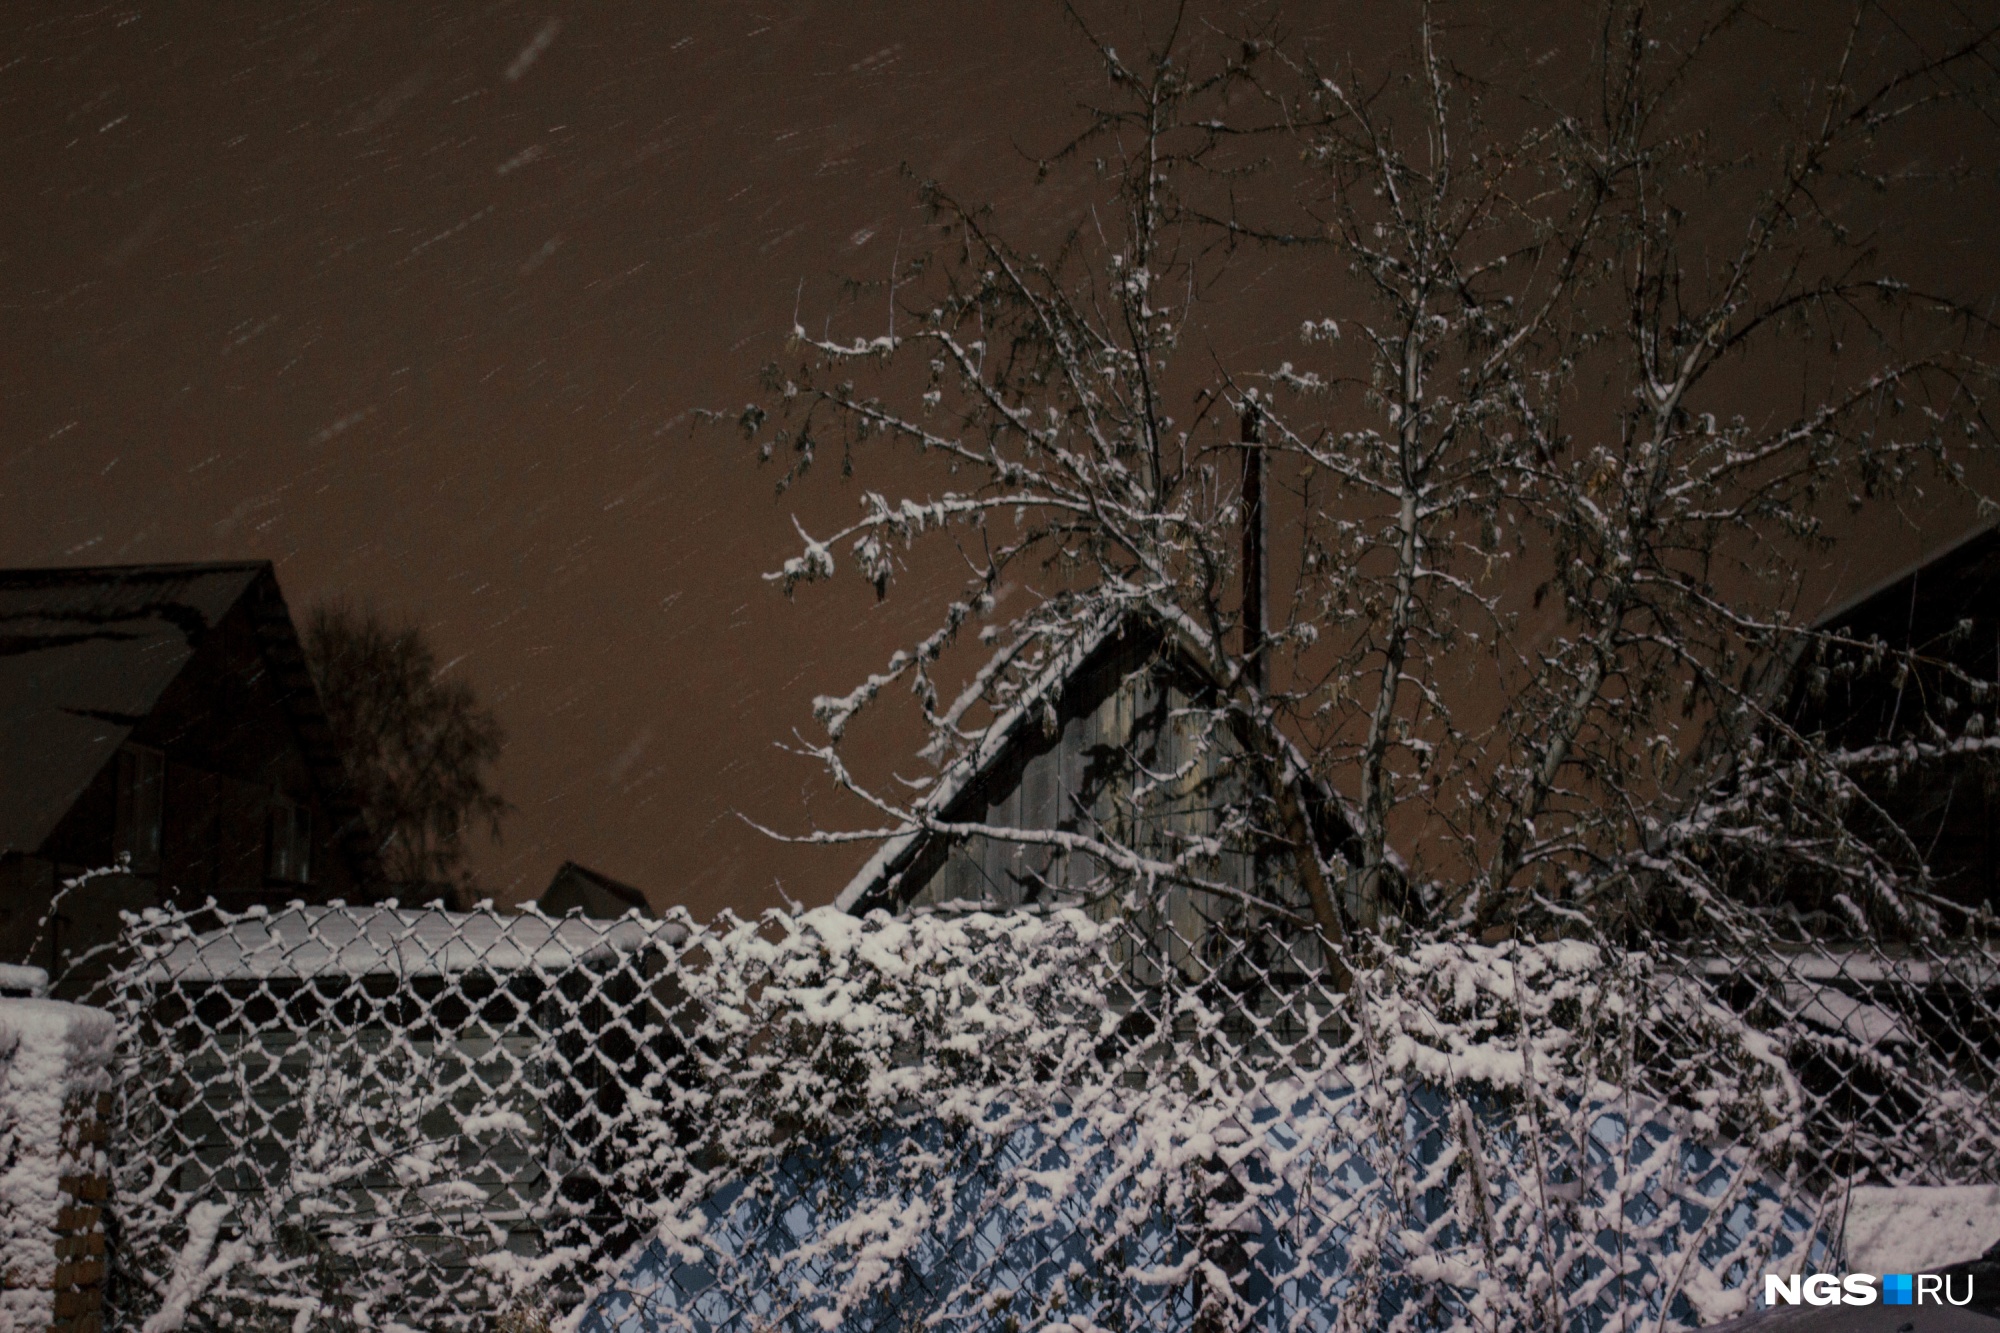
55, 1082
365, 1117
372, 1116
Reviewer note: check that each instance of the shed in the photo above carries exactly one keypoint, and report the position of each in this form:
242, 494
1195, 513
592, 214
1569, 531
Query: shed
1084, 746
501, 1048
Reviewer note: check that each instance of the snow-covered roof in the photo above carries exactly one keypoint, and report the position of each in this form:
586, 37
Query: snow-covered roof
1975, 968
311, 941
1813, 993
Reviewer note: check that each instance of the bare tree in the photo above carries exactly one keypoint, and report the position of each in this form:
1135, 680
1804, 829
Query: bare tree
419, 747
1552, 527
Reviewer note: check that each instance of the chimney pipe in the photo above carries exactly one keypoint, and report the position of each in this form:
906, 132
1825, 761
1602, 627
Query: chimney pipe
1253, 541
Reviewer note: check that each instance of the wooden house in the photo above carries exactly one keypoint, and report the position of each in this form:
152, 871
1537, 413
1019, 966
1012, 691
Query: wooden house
1947, 610
1119, 736
160, 717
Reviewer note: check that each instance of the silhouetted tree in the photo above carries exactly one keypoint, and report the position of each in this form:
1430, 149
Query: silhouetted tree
419, 748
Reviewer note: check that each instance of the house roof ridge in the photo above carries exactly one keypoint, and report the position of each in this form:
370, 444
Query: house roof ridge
616, 887
1847, 607
26, 573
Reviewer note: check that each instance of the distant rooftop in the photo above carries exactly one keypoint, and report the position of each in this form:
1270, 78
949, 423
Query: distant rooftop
84, 656
595, 894
1921, 602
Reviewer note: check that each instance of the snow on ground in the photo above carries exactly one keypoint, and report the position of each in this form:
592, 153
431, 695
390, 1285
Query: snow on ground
1920, 1229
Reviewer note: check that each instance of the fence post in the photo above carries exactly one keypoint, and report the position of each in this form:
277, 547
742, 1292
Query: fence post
55, 1101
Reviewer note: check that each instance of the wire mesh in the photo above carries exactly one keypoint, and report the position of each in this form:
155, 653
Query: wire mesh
373, 1117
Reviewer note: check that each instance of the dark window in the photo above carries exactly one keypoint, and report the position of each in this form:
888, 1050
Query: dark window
288, 843
142, 785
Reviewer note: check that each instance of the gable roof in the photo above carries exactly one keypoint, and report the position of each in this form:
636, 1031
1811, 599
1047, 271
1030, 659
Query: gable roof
571, 887
85, 655
965, 778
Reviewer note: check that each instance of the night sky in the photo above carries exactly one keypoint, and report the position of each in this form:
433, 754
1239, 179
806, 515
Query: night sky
420, 302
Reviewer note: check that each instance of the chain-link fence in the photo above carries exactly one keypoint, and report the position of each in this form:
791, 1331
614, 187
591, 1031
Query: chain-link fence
1896, 1050
373, 1117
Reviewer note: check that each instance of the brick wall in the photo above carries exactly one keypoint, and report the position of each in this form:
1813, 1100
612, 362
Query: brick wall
85, 1187
55, 1113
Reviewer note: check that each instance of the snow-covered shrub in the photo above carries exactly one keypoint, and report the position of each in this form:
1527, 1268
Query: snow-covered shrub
975, 1122
55, 1065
